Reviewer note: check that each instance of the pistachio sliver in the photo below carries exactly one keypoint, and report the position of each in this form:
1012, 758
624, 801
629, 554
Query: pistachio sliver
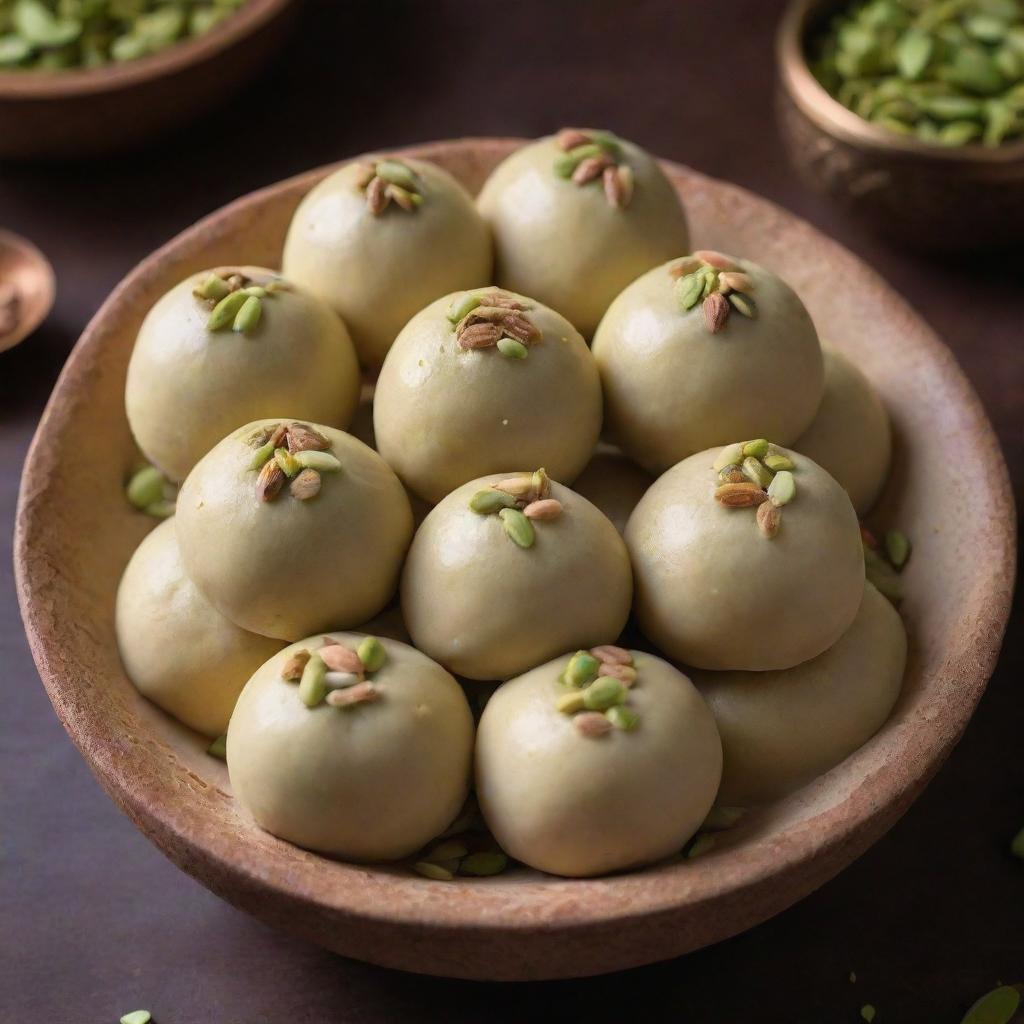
162, 509
322, 462
219, 747
213, 288
262, 455
517, 527
512, 349
146, 487
756, 449
224, 313
729, 456
394, 172
491, 500
463, 307
571, 702
137, 1017
782, 489
484, 863
313, 684
248, 317
756, 471
689, 290
778, 462
372, 654
433, 871
582, 668
622, 717
603, 693
897, 548
289, 464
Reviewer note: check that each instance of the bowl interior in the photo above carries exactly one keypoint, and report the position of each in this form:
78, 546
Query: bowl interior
948, 491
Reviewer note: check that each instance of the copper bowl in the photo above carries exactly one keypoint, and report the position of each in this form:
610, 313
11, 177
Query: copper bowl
932, 197
78, 113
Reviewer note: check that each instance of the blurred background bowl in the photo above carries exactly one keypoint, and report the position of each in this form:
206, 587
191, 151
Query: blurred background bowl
76, 113
929, 196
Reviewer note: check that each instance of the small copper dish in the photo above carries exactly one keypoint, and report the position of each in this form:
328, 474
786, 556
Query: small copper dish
929, 196
27, 289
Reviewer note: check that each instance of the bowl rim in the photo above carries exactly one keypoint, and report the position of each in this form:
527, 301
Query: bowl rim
814, 100
50, 85
809, 852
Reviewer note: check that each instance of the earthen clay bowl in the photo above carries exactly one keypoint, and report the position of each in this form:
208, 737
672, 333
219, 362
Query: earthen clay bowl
78, 113
949, 492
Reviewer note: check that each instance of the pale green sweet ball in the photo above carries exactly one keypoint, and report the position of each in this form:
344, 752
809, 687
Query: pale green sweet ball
566, 244
189, 386
377, 271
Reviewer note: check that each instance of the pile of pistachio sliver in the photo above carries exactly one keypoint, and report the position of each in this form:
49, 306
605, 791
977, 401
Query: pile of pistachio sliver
519, 501
337, 673
589, 155
597, 686
717, 282
294, 452
151, 492
454, 856
756, 474
55, 35
949, 72
386, 182
235, 300
885, 560
493, 318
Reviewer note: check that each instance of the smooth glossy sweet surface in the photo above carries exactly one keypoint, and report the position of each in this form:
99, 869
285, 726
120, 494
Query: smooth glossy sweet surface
850, 434
188, 387
286, 568
579, 805
488, 609
673, 388
714, 592
782, 729
378, 271
565, 244
444, 415
176, 647
371, 782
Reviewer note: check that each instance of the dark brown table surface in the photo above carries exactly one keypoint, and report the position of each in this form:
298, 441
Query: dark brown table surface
95, 922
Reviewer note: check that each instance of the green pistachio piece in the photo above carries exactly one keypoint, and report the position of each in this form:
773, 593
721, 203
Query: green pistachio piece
394, 172
161, 27
248, 317
450, 849
484, 864
36, 24
782, 489
689, 290
225, 311
710, 277
518, 528
372, 654
913, 52
756, 472
608, 142
959, 133
1017, 845
512, 349
622, 717
565, 164
985, 28
585, 152
137, 1017
146, 487
897, 548
972, 69
996, 1007
129, 47
434, 871
603, 693
463, 307
288, 463
701, 844
214, 287
160, 509
322, 462
743, 304
1000, 121
721, 818
730, 455
262, 455
540, 482
202, 19
219, 749
954, 108
582, 668
867, 1012
777, 462
491, 500
313, 685
571, 702
13, 50
882, 576
756, 449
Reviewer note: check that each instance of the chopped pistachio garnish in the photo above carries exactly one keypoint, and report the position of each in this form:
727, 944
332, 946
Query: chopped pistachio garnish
582, 668
996, 1007
519, 502
151, 492
721, 818
294, 452
897, 548
388, 181
755, 474
484, 864
433, 871
312, 685
493, 318
219, 747
235, 300
372, 654
701, 844
884, 562
597, 690
715, 281
589, 156
867, 1011
137, 1017
337, 673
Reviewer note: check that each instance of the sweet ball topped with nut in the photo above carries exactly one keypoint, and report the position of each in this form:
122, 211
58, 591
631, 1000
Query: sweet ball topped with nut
747, 557
482, 380
381, 238
288, 527
509, 570
704, 349
229, 345
576, 217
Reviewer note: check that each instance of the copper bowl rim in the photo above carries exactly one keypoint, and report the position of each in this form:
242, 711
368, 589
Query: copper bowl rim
57, 85
811, 97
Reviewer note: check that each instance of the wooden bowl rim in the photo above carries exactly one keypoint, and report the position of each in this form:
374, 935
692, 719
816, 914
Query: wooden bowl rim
57, 85
811, 97
807, 852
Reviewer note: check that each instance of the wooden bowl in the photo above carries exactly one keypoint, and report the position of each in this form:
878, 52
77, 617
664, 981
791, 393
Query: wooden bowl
87, 112
941, 198
950, 492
